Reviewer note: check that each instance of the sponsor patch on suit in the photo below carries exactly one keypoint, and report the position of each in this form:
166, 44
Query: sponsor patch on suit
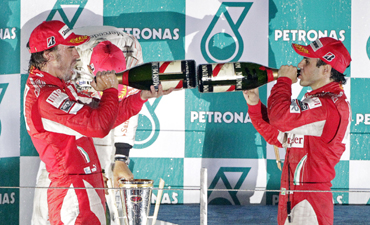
297, 106
295, 141
56, 98
66, 106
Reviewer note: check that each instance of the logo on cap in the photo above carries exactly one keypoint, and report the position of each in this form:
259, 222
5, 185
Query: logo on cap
329, 56
315, 45
51, 41
78, 40
301, 48
65, 31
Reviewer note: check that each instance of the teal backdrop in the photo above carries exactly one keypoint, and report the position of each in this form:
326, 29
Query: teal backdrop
183, 132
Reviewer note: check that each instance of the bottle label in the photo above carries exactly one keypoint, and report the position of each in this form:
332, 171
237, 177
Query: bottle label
226, 76
185, 68
239, 84
231, 76
171, 74
206, 75
155, 75
239, 76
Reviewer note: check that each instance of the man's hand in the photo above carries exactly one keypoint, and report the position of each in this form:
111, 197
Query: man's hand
105, 80
252, 96
288, 71
152, 93
121, 171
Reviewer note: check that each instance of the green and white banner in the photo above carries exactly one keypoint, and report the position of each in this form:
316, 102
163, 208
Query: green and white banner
180, 133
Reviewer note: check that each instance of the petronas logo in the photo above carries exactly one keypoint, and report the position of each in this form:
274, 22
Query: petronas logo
221, 177
58, 8
222, 41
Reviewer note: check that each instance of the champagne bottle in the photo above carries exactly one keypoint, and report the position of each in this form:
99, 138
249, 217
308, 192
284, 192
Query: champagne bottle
234, 76
179, 74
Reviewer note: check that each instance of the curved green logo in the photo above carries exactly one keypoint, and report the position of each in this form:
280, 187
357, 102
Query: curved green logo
223, 43
368, 48
148, 127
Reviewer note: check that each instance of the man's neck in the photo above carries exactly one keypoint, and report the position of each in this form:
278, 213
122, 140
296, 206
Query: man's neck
50, 70
321, 84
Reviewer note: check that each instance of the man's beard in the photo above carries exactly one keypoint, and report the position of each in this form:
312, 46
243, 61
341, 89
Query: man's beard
68, 73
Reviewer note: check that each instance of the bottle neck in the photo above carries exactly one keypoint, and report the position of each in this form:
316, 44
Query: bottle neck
122, 77
272, 74
275, 73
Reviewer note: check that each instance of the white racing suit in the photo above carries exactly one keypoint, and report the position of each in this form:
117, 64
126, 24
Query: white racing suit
122, 135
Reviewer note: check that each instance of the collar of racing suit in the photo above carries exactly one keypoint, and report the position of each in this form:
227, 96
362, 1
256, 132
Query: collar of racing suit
49, 79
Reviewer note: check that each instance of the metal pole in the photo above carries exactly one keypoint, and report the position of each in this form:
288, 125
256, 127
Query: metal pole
203, 196
158, 201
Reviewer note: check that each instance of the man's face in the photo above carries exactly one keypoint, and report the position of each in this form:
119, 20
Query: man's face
311, 75
66, 58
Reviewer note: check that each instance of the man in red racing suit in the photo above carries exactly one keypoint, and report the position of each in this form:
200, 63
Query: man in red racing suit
62, 122
313, 130
61, 129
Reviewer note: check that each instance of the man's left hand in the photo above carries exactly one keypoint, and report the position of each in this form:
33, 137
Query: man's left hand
152, 93
121, 171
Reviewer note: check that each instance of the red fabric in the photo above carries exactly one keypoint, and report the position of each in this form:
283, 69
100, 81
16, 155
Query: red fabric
106, 57
52, 33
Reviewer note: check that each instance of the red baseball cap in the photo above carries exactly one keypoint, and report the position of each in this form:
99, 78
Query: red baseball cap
52, 33
107, 56
329, 50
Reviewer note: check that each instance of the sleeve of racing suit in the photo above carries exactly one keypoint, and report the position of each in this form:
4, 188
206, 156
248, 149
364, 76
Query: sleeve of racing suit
73, 118
129, 107
307, 117
260, 121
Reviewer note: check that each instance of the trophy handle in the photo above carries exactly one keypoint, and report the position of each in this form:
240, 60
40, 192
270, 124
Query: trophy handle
123, 207
112, 196
158, 201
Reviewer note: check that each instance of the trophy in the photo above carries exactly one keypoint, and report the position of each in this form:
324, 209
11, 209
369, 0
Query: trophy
135, 197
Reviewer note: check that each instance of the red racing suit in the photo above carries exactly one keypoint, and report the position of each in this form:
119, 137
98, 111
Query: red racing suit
314, 132
61, 128
124, 133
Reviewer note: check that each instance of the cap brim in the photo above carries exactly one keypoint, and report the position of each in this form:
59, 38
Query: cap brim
75, 40
305, 51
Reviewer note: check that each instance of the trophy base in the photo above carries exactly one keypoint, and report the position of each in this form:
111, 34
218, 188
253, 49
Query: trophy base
159, 222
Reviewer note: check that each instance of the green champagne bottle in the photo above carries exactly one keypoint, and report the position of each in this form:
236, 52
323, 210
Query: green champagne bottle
179, 74
233, 76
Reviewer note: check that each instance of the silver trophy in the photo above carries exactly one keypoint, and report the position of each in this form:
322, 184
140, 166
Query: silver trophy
135, 197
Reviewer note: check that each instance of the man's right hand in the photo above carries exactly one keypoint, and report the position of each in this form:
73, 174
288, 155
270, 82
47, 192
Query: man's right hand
105, 80
288, 71
252, 96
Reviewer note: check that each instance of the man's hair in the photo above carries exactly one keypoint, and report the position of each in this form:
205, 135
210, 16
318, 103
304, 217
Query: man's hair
335, 75
37, 59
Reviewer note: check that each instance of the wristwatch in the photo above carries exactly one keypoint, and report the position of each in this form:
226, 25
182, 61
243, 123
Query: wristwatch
122, 158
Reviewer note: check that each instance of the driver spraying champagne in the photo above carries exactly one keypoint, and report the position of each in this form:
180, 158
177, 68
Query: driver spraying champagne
108, 49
